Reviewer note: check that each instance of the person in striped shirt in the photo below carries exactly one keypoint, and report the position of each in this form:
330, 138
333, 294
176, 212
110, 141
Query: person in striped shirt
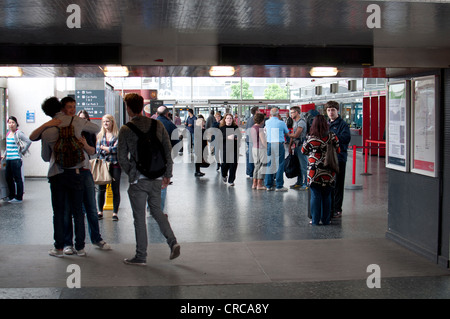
17, 144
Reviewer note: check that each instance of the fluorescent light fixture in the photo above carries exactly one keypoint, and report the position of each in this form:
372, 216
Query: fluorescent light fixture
116, 71
8, 71
323, 71
221, 71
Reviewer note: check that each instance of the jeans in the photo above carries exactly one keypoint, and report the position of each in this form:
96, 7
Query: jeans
249, 160
275, 165
67, 186
320, 204
148, 191
115, 187
89, 208
302, 179
13, 176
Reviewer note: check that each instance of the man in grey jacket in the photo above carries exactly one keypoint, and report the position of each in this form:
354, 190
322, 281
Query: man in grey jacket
143, 190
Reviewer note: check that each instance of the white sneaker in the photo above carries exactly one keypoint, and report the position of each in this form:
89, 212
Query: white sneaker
15, 201
81, 253
68, 250
282, 189
56, 252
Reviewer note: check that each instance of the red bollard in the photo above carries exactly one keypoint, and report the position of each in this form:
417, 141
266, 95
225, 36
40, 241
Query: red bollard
354, 165
366, 158
353, 186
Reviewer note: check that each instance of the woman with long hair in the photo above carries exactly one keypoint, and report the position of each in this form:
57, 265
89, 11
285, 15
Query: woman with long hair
107, 141
17, 144
320, 178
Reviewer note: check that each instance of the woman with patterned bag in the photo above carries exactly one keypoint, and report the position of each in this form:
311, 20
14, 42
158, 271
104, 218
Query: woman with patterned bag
321, 179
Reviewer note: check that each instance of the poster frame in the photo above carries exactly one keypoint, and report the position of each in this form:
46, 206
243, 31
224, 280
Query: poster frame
435, 140
406, 129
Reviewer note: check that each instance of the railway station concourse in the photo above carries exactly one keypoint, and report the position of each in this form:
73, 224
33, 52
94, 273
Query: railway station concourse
393, 240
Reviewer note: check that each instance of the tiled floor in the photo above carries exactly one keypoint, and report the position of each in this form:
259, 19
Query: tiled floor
236, 243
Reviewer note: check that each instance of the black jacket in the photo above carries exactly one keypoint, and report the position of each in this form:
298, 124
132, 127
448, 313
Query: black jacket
342, 130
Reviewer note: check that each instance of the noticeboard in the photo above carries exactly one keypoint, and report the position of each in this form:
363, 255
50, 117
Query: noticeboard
424, 126
398, 125
92, 101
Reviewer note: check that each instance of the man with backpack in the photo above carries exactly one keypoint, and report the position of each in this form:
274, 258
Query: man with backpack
143, 141
66, 156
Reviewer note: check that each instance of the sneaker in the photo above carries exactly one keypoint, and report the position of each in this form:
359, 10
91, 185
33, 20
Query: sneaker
134, 261
337, 215
282, 189
68, 250
269, 189
304, 188
199, 174
115, 218
102, 245
175, 251
295, 186
230, 184
15, 201
81, 253
56, 253
224, 179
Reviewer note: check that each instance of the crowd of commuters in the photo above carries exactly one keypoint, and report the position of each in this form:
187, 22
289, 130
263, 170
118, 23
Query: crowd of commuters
266, 140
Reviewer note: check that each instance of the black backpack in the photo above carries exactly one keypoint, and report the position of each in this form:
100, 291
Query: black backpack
309, 118
151, 161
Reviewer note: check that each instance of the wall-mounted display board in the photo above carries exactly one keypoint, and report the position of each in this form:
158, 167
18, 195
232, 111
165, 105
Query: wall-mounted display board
398, 125
424, 125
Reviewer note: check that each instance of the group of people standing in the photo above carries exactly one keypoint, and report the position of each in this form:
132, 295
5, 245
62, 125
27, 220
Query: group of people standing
266, 156
73, 189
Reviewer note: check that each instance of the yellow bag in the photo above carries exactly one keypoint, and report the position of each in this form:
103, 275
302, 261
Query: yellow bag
100, 171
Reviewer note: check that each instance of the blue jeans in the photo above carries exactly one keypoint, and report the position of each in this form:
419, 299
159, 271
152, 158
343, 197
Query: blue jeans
302, 179
13, 176
275, 165
89, 208
67, 186
320, 204
249, 160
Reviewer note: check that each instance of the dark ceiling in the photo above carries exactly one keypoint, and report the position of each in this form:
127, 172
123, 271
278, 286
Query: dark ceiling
182, 37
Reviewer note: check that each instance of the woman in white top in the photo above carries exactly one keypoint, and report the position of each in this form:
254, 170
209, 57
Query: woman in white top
17, 144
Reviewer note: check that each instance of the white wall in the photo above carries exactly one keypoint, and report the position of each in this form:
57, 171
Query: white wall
28, 94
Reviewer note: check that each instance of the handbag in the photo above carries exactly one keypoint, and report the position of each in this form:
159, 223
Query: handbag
291, 165
331, 160
100, 171
21, 145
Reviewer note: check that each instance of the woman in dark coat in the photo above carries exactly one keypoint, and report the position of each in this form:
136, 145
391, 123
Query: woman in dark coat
231, 137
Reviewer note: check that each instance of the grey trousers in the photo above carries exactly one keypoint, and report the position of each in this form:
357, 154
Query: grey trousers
148, 191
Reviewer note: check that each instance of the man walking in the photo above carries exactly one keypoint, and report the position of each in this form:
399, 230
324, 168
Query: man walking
276, 130
339, 127
143, 190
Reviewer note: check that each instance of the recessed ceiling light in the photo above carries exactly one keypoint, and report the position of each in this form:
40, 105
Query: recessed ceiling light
323, 71
221, 71
116, 71
9, 71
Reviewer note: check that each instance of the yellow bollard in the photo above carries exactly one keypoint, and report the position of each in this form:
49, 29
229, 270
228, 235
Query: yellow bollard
108, 198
